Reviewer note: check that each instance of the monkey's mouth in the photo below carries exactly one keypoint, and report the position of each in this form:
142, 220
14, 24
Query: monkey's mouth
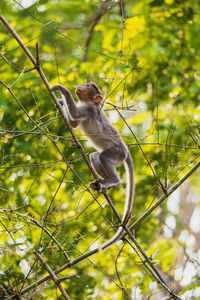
78, 90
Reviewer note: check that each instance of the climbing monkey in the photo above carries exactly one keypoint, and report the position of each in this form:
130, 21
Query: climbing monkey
112, 150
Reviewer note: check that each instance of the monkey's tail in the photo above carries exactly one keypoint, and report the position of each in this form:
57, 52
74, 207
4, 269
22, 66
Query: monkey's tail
128, 203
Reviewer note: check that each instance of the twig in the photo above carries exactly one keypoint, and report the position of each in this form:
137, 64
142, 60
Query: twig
8, 231
4, 58
68, 277
193, 138
122, 9
56, 61
37, 65
116, 269
124, 78
53, 276
162, 144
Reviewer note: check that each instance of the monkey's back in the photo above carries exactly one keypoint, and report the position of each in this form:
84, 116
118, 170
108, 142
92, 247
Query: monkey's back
99, 130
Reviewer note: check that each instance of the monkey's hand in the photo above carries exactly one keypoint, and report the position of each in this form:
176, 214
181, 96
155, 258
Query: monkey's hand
59, 87
96, 185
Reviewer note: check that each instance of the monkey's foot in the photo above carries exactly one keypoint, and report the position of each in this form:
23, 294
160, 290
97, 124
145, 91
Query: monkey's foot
96, 185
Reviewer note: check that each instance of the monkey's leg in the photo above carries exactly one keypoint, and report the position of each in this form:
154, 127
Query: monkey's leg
110, 158
112, 178
94, 157
96, 185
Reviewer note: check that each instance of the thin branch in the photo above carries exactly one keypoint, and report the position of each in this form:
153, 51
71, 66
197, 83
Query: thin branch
122, 9
68, 277
193, 138
56, 61
163, 144
116, 270
123, 79
53, 276
4, 58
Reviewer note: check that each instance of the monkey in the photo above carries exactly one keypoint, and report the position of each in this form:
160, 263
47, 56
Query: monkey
94, 124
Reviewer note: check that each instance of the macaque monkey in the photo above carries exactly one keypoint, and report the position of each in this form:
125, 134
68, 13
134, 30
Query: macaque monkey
94, 124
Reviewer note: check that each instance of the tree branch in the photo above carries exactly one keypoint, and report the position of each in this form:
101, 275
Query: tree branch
53, 276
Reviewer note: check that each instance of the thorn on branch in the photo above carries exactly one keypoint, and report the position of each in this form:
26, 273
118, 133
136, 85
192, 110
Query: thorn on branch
29, 70
155, 254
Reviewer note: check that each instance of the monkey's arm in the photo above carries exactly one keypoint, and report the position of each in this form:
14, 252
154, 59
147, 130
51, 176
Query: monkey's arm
63, 105
75, 112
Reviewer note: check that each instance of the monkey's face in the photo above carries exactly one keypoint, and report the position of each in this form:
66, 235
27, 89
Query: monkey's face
89, 92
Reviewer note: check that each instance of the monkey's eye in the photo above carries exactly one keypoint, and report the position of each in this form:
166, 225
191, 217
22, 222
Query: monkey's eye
87, 85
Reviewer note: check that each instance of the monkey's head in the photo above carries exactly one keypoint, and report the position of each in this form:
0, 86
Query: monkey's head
89, 92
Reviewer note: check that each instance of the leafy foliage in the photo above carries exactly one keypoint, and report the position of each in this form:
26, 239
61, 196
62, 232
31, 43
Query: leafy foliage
144, 55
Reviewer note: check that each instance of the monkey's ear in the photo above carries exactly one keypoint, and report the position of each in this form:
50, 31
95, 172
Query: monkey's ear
97, 98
